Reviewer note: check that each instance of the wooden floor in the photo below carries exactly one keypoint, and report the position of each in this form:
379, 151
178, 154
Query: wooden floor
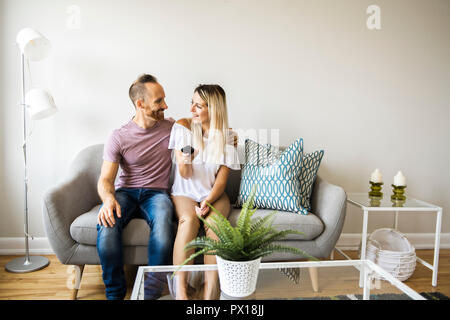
51, 283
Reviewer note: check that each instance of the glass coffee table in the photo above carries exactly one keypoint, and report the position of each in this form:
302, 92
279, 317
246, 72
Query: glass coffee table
338, 279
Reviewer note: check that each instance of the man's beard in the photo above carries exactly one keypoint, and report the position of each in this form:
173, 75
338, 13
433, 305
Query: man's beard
158, 115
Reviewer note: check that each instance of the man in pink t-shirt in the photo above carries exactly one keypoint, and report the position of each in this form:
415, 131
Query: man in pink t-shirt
140, 149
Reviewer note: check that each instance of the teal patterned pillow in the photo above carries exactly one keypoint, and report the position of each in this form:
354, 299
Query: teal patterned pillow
275, 175
310, 166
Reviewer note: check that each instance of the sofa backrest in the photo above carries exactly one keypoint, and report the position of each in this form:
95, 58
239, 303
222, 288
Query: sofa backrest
90, 159
234, 179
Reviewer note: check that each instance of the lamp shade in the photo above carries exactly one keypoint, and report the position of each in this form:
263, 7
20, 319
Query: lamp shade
33, 44
40, 104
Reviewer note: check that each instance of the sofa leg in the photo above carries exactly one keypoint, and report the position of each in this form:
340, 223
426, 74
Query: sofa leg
74, 280
314, 278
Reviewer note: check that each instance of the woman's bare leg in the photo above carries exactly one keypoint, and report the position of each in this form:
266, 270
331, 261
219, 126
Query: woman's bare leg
188, 225
212, 289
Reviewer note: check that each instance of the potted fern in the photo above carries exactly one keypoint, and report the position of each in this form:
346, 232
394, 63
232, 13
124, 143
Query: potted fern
239, 249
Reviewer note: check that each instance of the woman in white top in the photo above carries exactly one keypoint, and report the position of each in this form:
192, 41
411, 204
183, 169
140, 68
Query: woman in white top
201, 177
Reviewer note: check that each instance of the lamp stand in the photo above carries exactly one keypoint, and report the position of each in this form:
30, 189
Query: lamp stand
27, 263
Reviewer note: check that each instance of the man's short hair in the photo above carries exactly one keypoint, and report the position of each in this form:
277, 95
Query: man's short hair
137, 90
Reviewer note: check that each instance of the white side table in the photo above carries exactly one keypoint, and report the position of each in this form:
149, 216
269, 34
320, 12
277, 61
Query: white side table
366, 204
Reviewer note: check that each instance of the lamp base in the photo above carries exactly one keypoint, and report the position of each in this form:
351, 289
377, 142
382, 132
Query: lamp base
22, 265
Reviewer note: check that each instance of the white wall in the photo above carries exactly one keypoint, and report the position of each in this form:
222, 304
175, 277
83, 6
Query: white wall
312, 69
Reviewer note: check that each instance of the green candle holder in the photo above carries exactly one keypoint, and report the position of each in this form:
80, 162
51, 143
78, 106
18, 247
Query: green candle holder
398, 203
399, 193
375, 189
375, 201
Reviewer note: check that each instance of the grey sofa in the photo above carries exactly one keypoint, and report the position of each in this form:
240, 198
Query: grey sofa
70, 217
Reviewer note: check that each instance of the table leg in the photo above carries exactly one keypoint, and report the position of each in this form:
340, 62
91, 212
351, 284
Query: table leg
314, 278
396, 221
436, 247
366, 290
363, 244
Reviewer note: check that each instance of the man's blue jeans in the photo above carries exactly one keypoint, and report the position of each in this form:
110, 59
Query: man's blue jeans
156, 207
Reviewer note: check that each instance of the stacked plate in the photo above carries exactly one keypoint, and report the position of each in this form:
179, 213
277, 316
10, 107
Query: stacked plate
392, 251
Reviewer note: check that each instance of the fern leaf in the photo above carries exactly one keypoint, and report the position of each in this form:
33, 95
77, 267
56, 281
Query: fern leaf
224, 223
224, 227
201, 242
244, 220
217, 229
257, 237
263, 222
238, 239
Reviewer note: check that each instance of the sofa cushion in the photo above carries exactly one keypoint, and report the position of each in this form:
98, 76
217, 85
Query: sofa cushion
310, 167
275, 176
310, 224
84, 230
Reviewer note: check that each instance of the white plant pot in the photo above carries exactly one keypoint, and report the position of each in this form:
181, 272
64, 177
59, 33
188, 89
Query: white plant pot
238, 278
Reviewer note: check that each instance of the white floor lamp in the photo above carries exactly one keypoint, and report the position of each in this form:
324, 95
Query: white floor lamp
38, 104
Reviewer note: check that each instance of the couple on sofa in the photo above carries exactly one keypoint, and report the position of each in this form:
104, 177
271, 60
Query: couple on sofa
205, 151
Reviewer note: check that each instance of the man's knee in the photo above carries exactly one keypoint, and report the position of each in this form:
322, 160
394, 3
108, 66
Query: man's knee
164, 208
109, 241
108, 234
163, 202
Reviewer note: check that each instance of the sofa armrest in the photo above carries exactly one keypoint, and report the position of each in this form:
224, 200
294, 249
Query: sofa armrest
62, 204
329, 203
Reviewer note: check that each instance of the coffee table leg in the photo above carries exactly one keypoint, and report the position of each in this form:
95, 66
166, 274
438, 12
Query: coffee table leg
363, 245
366, 290
436, 247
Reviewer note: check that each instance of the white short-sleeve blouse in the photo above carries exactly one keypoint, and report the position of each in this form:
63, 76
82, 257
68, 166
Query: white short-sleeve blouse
200, 184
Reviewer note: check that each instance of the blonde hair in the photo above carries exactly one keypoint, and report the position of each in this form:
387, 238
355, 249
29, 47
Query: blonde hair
215, 98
